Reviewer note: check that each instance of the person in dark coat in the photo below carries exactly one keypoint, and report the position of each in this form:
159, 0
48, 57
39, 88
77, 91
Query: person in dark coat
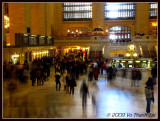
114, 72
77, 71
57, 80
138, 76
84, 92
133, 77
110, 73
72, 84
101, 66
154, 73
38, 75
33, 76
68, 79
90, 75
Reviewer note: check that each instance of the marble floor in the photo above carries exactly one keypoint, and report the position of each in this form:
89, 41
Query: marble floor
116, 99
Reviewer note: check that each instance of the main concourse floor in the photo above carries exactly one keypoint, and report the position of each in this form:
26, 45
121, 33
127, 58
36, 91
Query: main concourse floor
43, 101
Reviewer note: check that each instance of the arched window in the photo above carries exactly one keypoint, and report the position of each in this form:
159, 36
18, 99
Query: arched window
77, 11
153, 10
119, 34
119, 10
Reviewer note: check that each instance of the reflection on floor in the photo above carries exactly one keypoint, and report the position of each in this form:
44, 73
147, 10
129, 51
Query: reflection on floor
116, 99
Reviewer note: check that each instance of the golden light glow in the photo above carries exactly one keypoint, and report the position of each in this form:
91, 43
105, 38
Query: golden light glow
135, 54
6, 21
106, 30
127, 54
76, 30
8, 44
78, 48
68, 30
16, 55
154, 24
34, 53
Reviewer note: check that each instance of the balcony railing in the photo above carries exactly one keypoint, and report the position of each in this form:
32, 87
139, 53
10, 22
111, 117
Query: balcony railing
105, 39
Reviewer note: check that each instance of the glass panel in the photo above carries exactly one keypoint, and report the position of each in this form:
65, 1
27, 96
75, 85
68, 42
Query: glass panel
153, 9
119, 33
77, 10
117, 10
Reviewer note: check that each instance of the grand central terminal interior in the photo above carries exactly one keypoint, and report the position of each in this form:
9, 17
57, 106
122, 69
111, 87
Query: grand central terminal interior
92, 60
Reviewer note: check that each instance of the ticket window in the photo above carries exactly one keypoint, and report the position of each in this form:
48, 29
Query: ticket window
144, 65
130, 66
123, 65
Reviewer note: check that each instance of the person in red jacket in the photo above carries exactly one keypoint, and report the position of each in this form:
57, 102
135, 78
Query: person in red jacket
96, 72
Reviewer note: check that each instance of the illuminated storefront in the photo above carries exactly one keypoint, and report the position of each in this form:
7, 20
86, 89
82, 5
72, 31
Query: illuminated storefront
130, 63
76, 52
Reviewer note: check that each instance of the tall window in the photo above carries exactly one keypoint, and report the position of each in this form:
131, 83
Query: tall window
119, 34
119, 10
77, 11
153, 10
5, 8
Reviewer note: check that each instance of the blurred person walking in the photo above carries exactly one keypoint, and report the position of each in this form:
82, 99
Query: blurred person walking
68, 79
57, 80
63, 78
38, 75
138, 76
84, 92
110, 73
94, 94
114, 72
90, 75
133, 77
104, 70
123, 74
33, 76
154, 72
96, 72
72, 84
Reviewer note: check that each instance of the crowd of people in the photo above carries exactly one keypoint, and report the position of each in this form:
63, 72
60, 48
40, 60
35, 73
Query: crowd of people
101, 67
68, 70
40, 70
16, 72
